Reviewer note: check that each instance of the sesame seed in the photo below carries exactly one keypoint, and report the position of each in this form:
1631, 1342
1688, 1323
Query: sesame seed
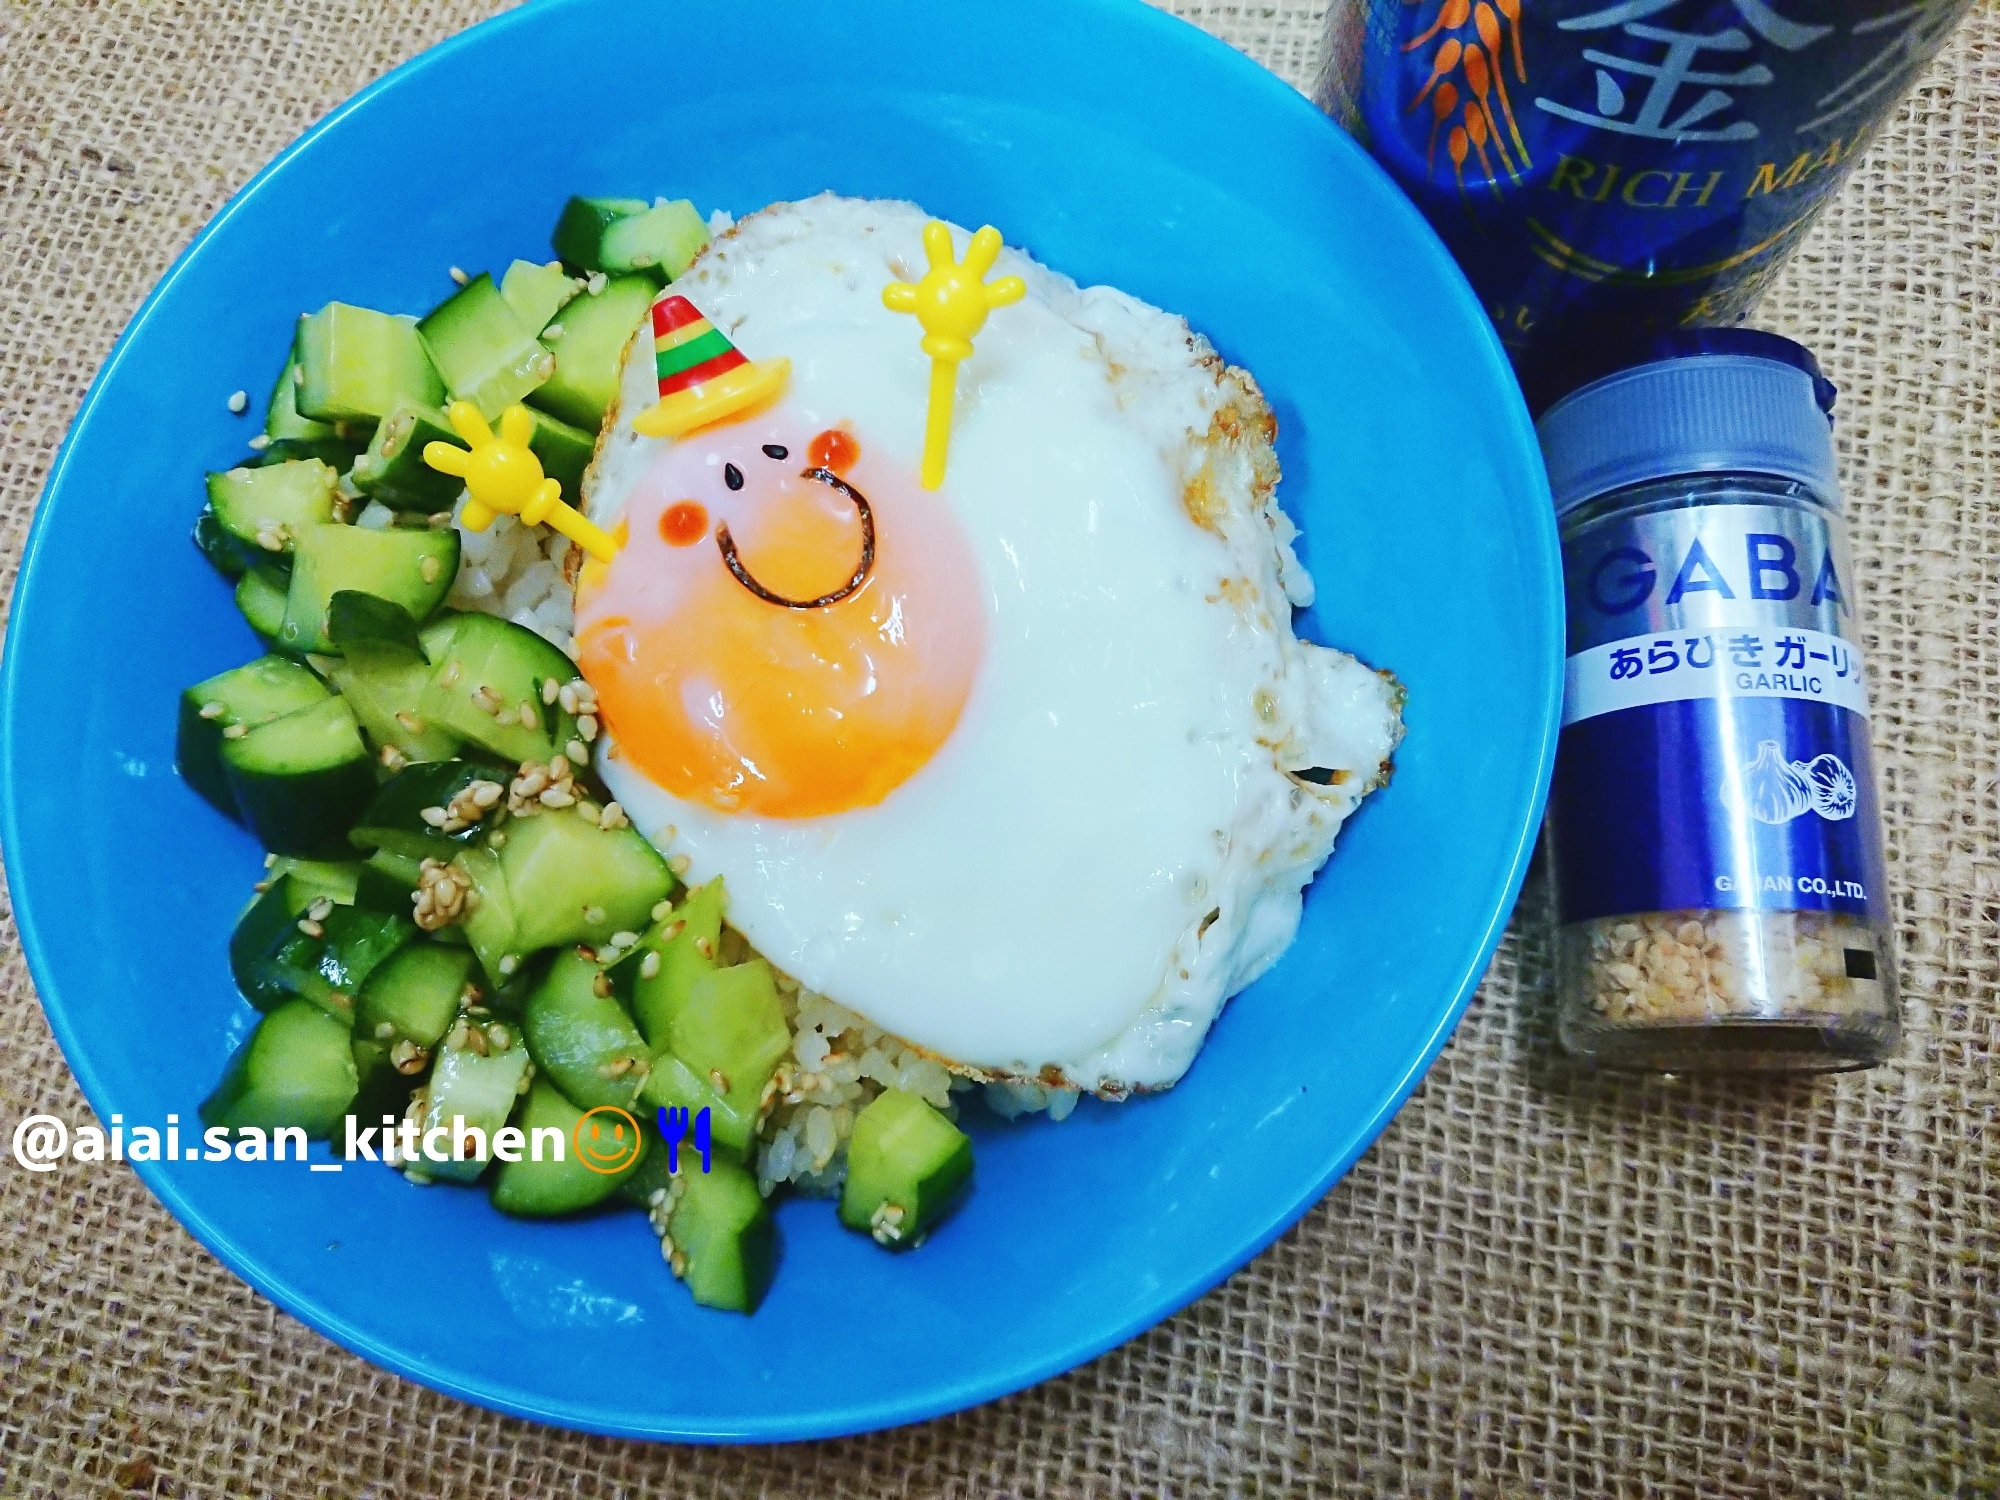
720, 1079
211, 710
321, 907
601, 987
429, 568
298, 375
234, 731
393, 758
586, 725
680, 864
597, 282
553, 332
704, 947
459, 276
437, 817
624, 939
529, 718
593, 915
439, 520
409, 721
239, 402
551, 689
384, 1030
649, 966
270, 860
311, 928
662, 910
509, 964
576, 752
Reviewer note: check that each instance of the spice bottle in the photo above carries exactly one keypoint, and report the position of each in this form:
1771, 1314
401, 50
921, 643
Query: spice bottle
1713, 826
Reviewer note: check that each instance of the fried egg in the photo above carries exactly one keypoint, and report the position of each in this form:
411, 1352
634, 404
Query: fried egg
1009, 767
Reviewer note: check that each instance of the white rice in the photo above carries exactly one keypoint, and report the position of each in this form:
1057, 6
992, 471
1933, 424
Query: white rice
839, 1063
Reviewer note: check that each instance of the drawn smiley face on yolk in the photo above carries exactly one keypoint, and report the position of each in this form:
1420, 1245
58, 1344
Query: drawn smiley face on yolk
793, 627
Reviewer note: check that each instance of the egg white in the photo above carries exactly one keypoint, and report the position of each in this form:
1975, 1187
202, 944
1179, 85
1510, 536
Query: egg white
1110, 843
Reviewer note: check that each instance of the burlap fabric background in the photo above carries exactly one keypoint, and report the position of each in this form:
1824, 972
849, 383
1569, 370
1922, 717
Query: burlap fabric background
1536, 1283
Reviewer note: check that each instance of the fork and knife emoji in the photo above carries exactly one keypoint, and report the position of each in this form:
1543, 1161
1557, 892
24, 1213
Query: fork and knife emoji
676, 1126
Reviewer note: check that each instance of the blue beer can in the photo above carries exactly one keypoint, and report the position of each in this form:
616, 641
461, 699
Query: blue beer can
1712, 826
1606, 169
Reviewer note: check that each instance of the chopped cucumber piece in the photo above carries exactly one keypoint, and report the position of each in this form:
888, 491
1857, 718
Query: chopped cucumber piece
413, 997
435, 634
300, 781
267, 924
731, 1034
489, 685
480, 1088
330, 966
387, 880
580, 1036
906, 1165
393, 470
672, 1084
570, 881
336, 879
382, 674
260, 594
395, 819
268, 508
579, 233
282, 422
591, 351
722, 1229
356, 364
296, 1069
411, 568
565, 451
485, 353
542, 1189
245, 698
224, 553
659, 242
537, 292
335, 453
696, 930
489, 922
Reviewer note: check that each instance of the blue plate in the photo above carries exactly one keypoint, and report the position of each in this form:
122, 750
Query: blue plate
1118, 145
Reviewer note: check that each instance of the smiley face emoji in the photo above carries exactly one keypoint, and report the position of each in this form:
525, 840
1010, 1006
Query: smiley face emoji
607, 1139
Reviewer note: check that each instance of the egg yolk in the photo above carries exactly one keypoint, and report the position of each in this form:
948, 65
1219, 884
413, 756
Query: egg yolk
724, 697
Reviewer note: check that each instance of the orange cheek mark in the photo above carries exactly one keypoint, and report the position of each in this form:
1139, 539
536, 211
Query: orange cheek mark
835, 450
684, 524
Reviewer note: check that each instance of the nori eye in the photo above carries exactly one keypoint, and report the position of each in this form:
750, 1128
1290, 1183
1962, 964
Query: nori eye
732, 476
776, 450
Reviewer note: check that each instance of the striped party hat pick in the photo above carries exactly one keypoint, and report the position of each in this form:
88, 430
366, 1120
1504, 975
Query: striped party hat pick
704, 379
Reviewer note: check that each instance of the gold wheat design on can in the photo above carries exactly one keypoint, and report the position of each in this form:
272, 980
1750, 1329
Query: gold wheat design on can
1469, 81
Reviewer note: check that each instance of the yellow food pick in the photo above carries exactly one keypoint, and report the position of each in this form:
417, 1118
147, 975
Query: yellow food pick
951, 302
504, 478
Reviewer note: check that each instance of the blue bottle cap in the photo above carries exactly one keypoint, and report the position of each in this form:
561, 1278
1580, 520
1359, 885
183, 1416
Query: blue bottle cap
1734, 400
